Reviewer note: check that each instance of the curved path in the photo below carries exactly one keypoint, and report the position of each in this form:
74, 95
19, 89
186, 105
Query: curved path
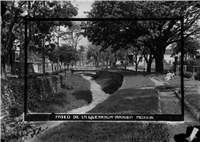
98, 97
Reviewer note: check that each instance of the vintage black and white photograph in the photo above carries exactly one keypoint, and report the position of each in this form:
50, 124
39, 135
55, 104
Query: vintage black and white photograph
100, 61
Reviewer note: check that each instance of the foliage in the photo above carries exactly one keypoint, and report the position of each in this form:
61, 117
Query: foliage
197, 76
16, 129
13, 25
191, 45
93, 54
13, 124
81, 53
192, 65
186, 74
72, 35
107, 55
158, 33
67, 54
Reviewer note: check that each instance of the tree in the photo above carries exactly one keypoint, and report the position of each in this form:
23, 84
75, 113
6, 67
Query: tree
13, 23
93, 53
51, 10
191, 45
72, 35
67, 54
107, 56
81, 51
160, 33
136, 52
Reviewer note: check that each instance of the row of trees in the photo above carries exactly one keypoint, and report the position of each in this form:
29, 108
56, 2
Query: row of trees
105, 57
65, 54
39, 33
147, 37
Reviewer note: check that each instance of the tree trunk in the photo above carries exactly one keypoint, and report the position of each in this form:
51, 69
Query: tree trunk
21, 62
159, 56
61, 65
2, 45
136, 67
149, 62
43, 58
125, 66
3, 68
107, 63
149, 66
159, 63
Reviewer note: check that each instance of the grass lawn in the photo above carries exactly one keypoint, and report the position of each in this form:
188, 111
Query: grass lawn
176, 82
131, 101
75, 93
137, 81
192, 95
107, 132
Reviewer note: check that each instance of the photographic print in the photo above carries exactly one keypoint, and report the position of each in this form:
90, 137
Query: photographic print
68, 63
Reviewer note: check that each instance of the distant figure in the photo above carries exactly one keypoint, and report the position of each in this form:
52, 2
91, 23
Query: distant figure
169, 76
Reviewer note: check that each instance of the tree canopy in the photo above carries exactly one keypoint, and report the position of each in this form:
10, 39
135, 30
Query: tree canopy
13, 24
67, 54
158, 33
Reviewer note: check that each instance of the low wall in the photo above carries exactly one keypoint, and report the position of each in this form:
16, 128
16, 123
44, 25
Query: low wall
12, 93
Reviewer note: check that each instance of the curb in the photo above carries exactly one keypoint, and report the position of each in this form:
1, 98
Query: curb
194, 111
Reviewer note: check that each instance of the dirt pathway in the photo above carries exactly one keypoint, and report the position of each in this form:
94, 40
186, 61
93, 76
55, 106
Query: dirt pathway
98, 97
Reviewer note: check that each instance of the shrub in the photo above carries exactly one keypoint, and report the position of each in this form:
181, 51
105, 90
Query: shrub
186, 74
47, 73
197, 76
61, 71
32, 75
55, 73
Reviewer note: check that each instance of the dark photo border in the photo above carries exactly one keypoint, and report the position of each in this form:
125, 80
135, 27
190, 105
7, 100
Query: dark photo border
102, 117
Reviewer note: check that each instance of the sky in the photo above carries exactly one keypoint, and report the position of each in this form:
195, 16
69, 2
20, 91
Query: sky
82, 6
